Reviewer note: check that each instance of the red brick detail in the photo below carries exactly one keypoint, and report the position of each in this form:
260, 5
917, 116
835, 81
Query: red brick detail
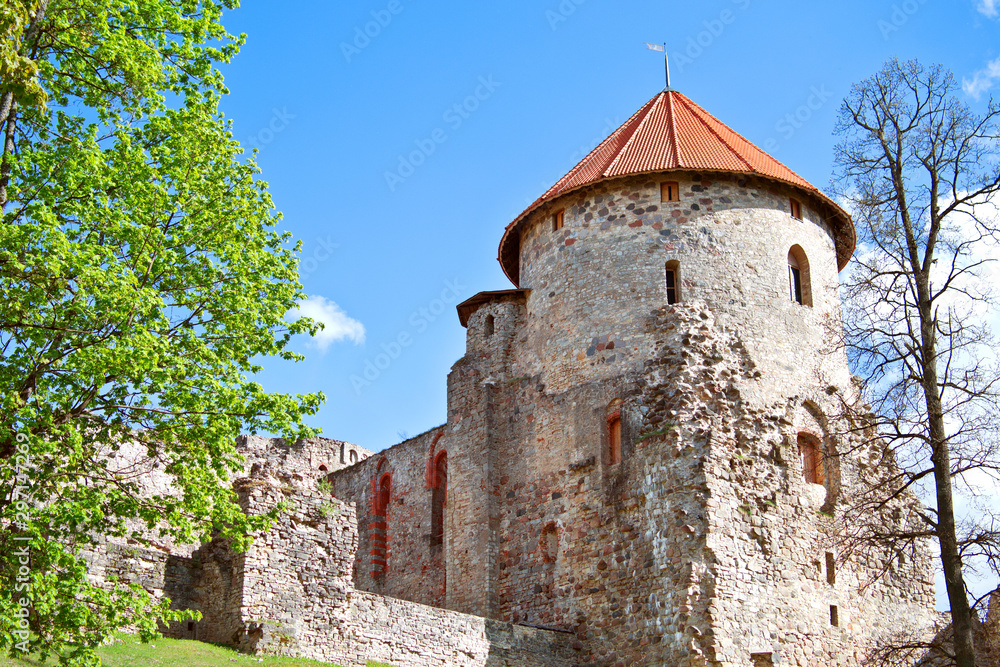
431, 459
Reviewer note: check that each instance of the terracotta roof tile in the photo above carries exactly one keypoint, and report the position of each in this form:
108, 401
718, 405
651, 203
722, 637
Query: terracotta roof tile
668, 132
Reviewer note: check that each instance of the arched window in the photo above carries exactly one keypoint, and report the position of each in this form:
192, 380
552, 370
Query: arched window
353, 456
439, 499
673, 276
811, 450
798, 276
488, 328
380, 534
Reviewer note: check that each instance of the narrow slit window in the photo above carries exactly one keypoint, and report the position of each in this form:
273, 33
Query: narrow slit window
831, 569
615, 440
614, 421
550, 543
558, 219
670, 191
673, 281
488, 329
796, 208
834, 616
439, 499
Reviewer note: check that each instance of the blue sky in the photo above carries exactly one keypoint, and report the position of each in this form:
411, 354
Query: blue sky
399, 137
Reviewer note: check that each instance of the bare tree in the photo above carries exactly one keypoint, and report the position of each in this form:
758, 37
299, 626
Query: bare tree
919, 168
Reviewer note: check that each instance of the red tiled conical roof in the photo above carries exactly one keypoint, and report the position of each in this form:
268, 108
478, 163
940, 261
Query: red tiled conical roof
670, 132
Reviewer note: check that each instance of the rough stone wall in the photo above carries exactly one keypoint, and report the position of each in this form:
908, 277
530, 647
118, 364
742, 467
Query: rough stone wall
415, 569
159, 571
289, 593
705, 542
593, 281
625, 570
217, 592
166, 569
402, 633
302, 462
479, 441
292, 594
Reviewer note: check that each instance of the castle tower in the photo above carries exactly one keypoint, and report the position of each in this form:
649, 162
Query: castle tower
643, 437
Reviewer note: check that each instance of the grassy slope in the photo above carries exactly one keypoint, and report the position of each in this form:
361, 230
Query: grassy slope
173, 653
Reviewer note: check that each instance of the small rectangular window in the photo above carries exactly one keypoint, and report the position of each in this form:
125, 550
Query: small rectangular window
831, 569
834, 616
615, 440
796, 209
558, 219
670, 191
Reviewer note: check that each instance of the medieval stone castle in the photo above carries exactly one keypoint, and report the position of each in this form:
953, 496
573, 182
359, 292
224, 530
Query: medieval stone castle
645, 459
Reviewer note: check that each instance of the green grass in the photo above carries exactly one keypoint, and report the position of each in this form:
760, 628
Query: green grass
130, 652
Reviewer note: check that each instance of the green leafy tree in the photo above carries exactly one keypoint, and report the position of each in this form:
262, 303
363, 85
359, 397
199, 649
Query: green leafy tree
141, 276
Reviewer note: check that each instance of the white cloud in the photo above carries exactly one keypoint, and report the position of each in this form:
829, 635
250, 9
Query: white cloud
338, 325
982, 80
989, 7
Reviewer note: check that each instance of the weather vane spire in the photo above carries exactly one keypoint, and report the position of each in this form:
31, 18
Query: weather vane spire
666, 59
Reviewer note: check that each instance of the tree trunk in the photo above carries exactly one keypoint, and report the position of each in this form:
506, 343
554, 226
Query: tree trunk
951, 560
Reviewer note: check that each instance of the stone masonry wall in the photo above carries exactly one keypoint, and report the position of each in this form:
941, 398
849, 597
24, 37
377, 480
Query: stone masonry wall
670, 557
292, 594
294, 582
302, 462
166, 569
402, 633
593, 281
415, 568
479, 441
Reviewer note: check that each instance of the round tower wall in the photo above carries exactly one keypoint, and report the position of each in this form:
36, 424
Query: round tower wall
595, 281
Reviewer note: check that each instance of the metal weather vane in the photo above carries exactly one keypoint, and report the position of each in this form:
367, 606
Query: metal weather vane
666, 59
